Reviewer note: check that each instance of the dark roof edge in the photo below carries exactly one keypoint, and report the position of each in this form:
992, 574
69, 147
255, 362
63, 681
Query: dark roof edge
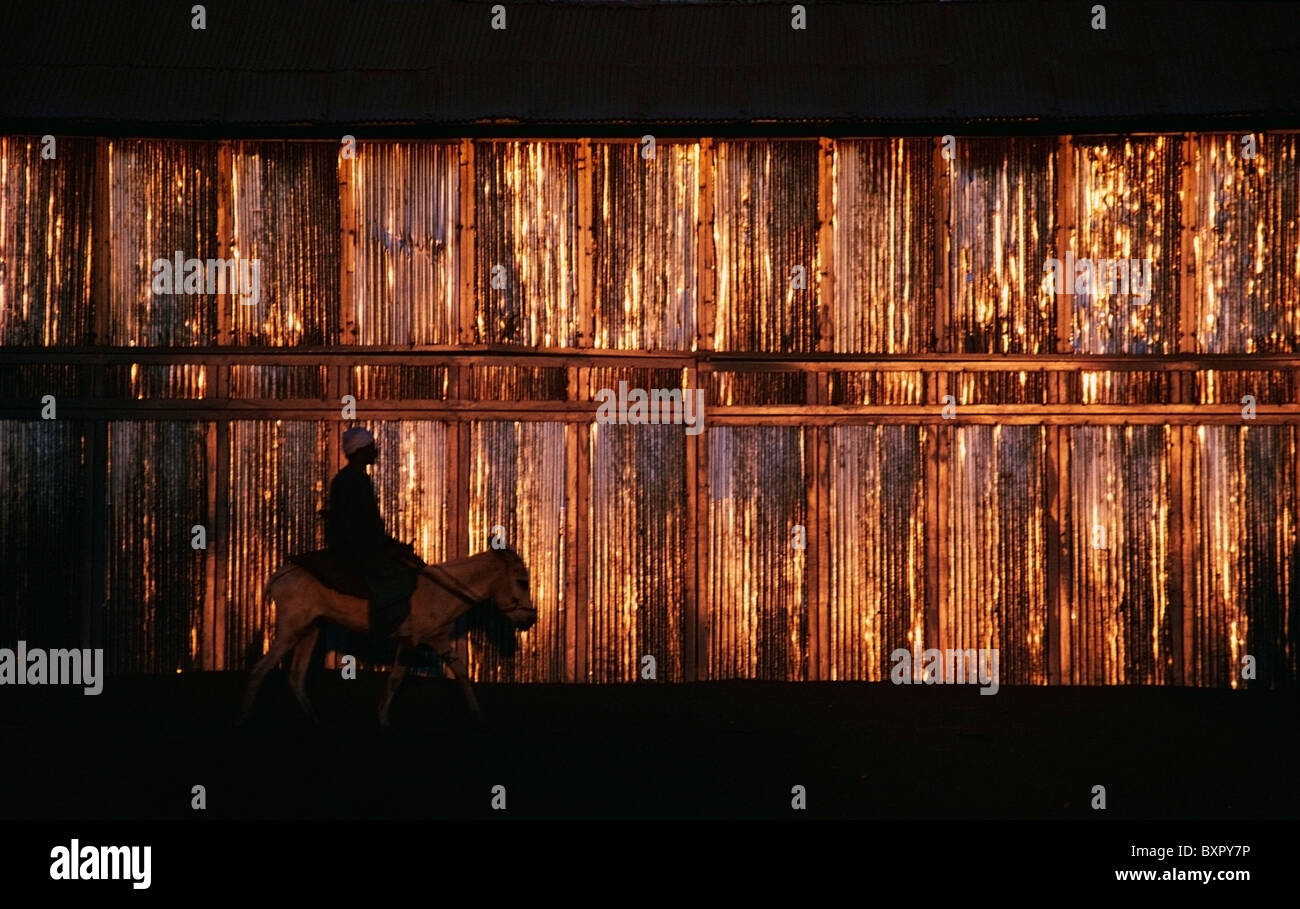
1010, 126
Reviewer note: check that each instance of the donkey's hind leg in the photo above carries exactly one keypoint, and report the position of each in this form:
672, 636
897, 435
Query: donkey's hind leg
282, 644
299, 666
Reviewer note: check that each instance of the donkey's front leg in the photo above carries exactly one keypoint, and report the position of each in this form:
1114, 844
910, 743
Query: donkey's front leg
461, 673
395, 677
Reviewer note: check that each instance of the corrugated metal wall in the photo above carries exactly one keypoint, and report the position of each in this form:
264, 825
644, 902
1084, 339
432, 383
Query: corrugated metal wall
278, 479
765, 226
1002, 215
1126, 196
1120, 540
1245, 556
157, 493
406, 197
517, 495
756, 626
46, 494
637, 560
644, 212
526, 205
163, 201
884, 246
935, 533
285, 216
46, 232
1249, 233
997, 547
878, 541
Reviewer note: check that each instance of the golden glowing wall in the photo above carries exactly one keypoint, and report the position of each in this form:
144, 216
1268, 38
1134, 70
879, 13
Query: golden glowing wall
1098, 509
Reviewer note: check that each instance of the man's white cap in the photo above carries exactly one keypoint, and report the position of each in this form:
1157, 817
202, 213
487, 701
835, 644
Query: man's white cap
356, 439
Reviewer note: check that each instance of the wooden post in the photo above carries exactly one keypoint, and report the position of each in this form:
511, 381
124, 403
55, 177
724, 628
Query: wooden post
102, 297
698, 609
939, 442
348, 215
578, 439
1182, 601
1057, 491
817, 439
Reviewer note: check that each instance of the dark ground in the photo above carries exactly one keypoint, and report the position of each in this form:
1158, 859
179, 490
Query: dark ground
708, 750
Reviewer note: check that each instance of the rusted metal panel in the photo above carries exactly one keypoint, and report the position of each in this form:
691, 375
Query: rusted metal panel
163, 201
45, 500
897, 388
883, 239
263, 381
1002, 214
1247, 273
1121, 555
155, 380
878, 547
517, 484
756, 623
46, 226
527, 243
373, 382
285, 218
645, 212
997, 549
405, 204
278, 484
765, 229
1243, 571
1127, 209
637, 561
156, 493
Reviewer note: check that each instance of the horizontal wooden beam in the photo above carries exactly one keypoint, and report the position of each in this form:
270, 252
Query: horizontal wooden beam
585, 411
560, 358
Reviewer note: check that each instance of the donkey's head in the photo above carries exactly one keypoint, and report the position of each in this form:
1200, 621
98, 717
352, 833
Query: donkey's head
510, 591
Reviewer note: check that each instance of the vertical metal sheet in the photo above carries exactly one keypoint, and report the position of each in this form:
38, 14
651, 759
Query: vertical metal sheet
278, 482
877, 387
157, 491
279, 382
637, 561
139, 381
1244, 571
765, 225
877, 554
406, 196
1127, 207
395, 382
1120, 557
410, 480
517, 476
45, 493
526, 219
884, 246
645, 245
46, 218
286, 217
997, 549
163, 200
757, 626
1002, 212
1248, 246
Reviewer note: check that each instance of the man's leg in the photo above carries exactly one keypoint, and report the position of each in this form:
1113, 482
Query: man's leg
390, 593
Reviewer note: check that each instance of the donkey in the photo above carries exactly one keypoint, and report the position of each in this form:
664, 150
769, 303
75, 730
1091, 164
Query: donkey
443, 593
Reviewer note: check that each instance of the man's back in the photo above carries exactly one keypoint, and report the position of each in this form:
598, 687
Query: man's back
354, 526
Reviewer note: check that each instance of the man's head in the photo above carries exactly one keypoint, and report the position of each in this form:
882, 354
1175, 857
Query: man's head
359, 446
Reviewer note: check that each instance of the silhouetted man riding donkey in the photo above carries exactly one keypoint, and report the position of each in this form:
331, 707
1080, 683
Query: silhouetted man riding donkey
368, 582
354, 532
